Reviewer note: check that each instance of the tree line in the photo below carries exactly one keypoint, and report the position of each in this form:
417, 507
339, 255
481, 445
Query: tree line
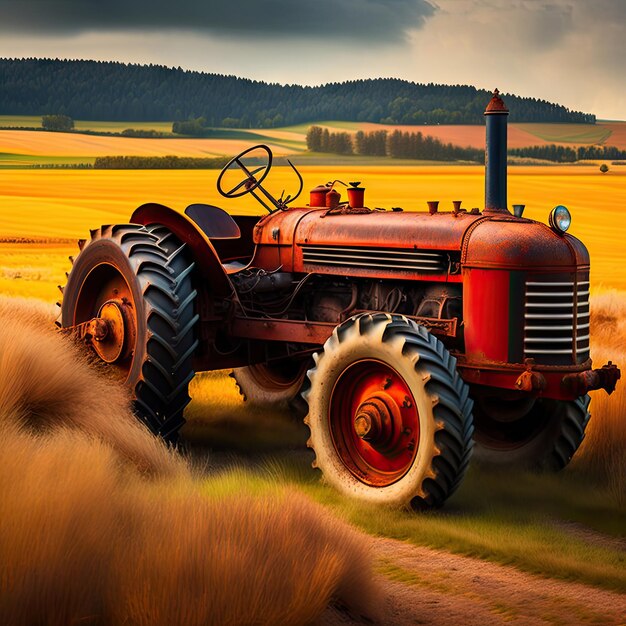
159, 163
99, 90
415, 145
396, 144
565, 154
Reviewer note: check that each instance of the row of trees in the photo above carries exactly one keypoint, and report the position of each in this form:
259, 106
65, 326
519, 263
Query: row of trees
397, 145
410, 145
159, 163
146, 133
565, 154
320, 139
100, 90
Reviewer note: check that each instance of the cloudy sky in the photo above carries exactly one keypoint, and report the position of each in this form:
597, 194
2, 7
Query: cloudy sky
569, 51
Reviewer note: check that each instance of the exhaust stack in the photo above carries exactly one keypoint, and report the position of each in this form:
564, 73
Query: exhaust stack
495, 157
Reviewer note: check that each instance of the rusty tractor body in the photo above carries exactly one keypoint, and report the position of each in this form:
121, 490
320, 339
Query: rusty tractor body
414, 338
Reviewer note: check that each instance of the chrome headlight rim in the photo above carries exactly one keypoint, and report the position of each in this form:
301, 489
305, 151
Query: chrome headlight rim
560, 219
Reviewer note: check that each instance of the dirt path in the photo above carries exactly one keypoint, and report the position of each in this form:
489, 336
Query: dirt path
425, 586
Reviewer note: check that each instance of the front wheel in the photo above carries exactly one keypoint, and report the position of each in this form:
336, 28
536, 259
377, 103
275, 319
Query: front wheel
390, 417
138, 278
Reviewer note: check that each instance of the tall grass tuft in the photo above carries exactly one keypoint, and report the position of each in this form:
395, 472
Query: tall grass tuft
47, 383
603, 452
101, 524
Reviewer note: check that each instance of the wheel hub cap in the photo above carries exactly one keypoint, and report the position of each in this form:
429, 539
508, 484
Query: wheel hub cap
378, 421
115, 322
374, 422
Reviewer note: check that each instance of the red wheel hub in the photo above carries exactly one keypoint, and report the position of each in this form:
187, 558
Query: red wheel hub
374, 422
106, 295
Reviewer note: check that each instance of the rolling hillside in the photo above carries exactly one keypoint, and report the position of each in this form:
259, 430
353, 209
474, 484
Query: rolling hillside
119, 91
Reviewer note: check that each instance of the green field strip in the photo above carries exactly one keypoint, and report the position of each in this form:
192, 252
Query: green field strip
8, 160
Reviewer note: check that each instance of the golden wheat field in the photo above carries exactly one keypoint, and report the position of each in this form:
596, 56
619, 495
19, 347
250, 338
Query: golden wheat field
45, 204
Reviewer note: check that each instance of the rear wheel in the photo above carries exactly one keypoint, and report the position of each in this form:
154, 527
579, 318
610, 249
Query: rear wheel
539, 434
275, 384
390, 417
139, 279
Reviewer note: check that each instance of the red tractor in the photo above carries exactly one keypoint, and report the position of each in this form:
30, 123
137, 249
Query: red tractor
414, 338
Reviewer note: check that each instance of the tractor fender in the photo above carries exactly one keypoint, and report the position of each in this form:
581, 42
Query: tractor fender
204, 254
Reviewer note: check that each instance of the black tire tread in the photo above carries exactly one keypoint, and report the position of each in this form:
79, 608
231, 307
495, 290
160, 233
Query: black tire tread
164, 275
575, 419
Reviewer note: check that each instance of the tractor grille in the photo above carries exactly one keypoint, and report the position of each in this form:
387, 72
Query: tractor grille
376, 258
556, 319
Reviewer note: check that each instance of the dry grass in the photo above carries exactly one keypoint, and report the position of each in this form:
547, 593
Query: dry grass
603, 452
101, 524
46, 383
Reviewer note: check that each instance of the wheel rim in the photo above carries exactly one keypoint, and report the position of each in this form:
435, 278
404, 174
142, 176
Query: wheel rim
374, 422
105, 292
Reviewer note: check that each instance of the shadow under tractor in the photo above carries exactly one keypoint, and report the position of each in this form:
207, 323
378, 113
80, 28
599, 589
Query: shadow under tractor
413, 339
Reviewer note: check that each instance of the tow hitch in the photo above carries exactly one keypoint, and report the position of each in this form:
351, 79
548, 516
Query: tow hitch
604, 378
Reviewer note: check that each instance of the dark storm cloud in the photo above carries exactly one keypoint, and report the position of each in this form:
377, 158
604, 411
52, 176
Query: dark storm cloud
355, 19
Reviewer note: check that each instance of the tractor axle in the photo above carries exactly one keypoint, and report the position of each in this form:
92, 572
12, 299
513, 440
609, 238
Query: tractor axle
110, 334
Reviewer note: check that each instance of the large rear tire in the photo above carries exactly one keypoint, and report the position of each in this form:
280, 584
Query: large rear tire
544, 437
144, 269
390, 418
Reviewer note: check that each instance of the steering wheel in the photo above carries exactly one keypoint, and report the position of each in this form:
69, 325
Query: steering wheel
251, 182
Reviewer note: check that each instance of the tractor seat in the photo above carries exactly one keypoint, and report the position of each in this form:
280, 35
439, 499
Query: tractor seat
214, 222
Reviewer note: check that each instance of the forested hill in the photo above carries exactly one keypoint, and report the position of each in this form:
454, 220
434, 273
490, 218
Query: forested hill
96, 90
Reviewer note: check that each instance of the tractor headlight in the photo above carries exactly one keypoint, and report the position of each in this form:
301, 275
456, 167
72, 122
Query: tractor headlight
560, 219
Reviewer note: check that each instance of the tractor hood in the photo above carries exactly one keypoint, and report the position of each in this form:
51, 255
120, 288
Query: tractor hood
507, 242
306, 226
401, 244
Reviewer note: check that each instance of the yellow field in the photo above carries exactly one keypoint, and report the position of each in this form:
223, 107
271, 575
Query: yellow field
34, 270
66, 204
